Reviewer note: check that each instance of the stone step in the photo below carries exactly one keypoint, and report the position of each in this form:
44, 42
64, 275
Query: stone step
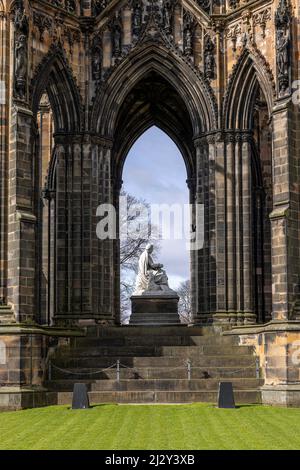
163, 340
157, 373
157, 361
241, 397
154, 319
153, 340
143, 351
100, 351
139, 331
194, 351
155, 384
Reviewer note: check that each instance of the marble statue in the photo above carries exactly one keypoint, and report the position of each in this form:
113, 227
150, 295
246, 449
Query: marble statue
151, 277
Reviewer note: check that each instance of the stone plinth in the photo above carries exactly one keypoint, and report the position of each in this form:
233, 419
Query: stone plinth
154, 309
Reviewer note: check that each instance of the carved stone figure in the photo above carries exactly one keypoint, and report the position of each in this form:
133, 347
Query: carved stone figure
21, 65
282, 22
188, 30
282, 52
167, 13
116, 35
137, 16
97, 57
21, 32
151, 277
20, 18
209, 58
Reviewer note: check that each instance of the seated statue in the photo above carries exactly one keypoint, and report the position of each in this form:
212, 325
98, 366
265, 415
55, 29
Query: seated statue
151, 277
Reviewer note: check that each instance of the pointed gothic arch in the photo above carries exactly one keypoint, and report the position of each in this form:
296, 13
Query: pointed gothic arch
247, 108
54, 76
152, 101
250, 73
152, 57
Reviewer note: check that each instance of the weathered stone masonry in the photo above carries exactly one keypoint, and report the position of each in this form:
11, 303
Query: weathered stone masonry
79, 82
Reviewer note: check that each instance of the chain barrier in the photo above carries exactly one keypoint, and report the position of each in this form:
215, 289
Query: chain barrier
77, 373
118, 365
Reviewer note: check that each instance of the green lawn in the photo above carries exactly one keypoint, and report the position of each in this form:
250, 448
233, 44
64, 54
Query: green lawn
117, 427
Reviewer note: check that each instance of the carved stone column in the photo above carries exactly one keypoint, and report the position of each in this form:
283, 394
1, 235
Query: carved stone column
103, 250
3, 157
199, 255
218, 170
243, 230
80, 257
247, 314
230, 224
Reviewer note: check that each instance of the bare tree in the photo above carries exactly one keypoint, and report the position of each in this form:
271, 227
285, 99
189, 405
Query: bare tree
184, 305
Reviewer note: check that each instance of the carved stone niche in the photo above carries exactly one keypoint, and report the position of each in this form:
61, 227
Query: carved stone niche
209, 57
97, 57
136, 18
21, 26
283, 16
189, 25
116, 31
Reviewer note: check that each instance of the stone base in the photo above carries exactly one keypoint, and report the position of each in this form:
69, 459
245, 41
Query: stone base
6, 315
154, 309
18, 398
277, 345
281, 395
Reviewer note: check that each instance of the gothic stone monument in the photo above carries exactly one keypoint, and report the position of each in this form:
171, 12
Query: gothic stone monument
153, 302
80, 81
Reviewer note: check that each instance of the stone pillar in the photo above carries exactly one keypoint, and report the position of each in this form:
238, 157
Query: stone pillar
3, 156
102, 252
75, 225
218, 170
193, 256
233, 229
211, 233
243, 230
21, 290
200, 265
61, 261
230, 224
284, 217
247, 314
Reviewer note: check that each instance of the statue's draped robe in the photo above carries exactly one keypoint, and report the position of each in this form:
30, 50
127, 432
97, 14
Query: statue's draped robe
150, 275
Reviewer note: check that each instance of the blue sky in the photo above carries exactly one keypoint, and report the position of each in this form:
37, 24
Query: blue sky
155, 170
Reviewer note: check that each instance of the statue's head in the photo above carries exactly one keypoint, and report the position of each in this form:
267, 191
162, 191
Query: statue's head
149, 247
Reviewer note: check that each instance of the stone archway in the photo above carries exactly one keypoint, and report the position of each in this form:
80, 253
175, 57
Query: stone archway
158, 93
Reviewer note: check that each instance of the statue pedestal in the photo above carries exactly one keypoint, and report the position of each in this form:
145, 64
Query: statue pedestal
154, 308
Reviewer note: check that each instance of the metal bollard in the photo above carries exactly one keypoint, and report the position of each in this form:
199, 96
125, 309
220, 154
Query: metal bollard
49, 372
118, 370
189, 369
257, 368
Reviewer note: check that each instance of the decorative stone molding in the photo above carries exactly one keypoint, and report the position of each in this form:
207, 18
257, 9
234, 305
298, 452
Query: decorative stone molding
233, 33
56, 28
261, 18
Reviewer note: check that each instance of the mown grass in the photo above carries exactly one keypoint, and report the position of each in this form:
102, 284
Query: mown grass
151, 427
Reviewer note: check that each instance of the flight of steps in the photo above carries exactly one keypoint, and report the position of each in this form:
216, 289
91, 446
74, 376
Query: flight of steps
153, 366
